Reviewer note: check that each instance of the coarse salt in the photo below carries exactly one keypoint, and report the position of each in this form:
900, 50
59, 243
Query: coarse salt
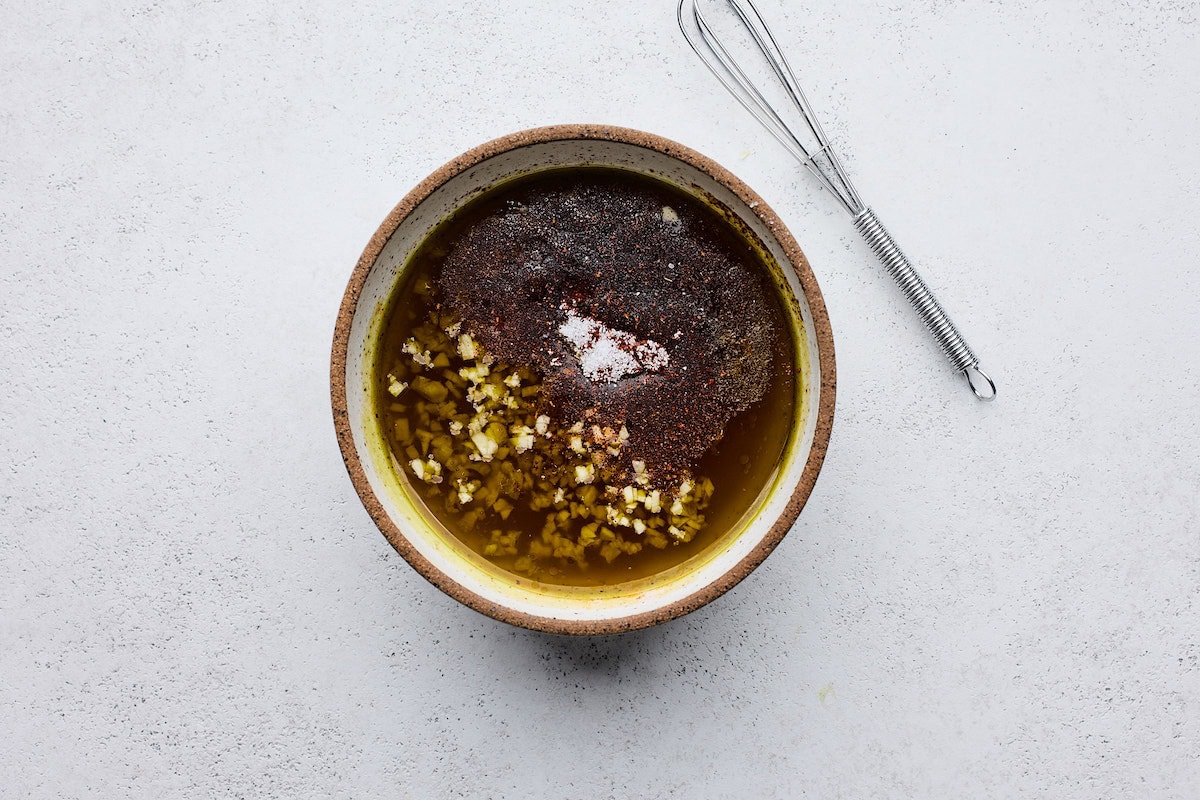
607, 354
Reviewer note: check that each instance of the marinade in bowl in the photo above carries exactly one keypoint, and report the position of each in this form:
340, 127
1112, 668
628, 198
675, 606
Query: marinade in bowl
586, 375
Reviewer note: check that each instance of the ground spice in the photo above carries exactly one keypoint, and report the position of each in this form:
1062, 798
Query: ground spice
621, 257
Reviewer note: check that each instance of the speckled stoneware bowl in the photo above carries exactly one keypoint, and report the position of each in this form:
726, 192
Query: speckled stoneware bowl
435, 552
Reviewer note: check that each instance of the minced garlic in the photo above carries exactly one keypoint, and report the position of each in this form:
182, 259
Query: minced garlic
473, 423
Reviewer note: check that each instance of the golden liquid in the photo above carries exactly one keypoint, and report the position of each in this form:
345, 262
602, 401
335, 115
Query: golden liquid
740, 464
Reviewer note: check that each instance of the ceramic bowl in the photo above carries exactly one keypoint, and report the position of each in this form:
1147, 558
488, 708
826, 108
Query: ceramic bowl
435, 552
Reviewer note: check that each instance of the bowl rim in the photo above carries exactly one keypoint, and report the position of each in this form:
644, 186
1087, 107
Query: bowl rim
821, 331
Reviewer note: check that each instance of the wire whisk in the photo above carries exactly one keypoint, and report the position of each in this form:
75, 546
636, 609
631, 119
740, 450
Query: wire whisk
811, 147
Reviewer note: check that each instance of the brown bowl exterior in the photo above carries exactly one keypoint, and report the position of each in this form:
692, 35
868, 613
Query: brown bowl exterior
824, 410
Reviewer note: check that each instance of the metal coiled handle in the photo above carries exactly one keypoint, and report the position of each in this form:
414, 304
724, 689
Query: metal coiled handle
948, 338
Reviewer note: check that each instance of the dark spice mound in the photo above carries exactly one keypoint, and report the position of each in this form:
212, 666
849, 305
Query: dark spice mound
601, 244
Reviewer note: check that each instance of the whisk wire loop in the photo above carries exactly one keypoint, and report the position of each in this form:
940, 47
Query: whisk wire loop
753, 21
712, 51
815, 152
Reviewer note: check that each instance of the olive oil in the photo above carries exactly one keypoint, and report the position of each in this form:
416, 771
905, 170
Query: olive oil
556, 476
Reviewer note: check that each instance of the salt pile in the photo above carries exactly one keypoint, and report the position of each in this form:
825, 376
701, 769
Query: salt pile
606, 354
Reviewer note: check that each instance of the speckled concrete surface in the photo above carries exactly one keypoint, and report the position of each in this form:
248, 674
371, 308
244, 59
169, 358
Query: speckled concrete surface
979, 601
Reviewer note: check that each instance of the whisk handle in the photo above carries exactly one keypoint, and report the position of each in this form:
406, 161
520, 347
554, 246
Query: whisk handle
953, 345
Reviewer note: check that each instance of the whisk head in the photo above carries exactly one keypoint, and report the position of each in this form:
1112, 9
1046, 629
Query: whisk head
806, 140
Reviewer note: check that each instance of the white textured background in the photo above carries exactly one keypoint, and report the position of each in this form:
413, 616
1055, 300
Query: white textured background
978, 601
